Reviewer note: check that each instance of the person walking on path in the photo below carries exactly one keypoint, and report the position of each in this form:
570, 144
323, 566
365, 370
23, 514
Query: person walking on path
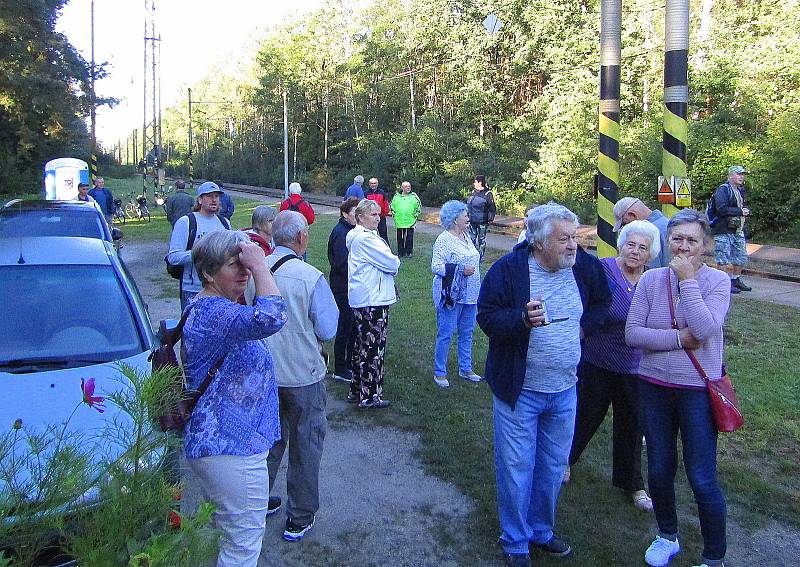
406, 208
179, 203
676, 308
355, 190
377, 193
455, 264
104, 198
481, 210
300, 367
337, 257
607, 373
296, 203
535, 305
731, 212
371, 268
226, 205
629, 209
188, 230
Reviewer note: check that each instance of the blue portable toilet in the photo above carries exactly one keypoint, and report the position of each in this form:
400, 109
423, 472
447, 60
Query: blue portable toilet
61, 178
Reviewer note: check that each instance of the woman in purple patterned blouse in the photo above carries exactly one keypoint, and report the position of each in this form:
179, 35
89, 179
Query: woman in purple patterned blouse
608, 369
236, 420
672, 395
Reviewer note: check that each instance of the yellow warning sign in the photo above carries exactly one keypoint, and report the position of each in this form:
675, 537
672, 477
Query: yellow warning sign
683, 196
666, 193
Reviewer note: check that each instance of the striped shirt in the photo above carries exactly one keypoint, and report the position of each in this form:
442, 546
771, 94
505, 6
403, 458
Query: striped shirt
701, 305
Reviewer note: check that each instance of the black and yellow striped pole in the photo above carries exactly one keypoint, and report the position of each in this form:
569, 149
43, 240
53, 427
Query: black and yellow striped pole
676, 94
608, 128
93, 165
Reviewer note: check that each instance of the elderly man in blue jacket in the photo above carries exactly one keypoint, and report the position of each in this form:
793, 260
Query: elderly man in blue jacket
535, 305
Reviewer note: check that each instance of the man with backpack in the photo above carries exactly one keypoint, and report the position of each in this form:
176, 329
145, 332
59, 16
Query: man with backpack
296, 203
188, 230
727, 214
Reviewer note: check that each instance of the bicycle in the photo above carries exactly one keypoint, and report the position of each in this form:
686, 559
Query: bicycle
160, 197
119, 214
136, 208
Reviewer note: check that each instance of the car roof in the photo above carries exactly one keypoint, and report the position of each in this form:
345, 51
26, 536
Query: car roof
44, 250
43, 204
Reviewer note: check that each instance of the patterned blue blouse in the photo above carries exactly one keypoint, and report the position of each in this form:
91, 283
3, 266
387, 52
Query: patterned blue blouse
238, 414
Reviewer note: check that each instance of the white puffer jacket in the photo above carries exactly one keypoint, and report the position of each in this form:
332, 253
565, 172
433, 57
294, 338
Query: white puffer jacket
371, 268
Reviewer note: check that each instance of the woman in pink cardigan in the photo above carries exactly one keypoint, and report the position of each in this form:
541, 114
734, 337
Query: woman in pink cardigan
672, 394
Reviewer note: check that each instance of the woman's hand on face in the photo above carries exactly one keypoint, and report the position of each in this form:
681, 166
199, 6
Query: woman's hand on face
469, 270
683, 267
251, 256
688, 340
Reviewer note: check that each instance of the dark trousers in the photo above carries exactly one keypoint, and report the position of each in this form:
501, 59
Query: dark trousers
405, 241
383, 232
597, 390
343, 345
663, 413
303, 428
369, 348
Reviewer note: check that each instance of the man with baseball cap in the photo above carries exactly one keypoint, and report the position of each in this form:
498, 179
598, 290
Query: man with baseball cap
190, 228
629, 209
730, 212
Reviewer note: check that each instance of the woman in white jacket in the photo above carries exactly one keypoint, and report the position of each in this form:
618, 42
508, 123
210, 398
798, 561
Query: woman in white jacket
371, 268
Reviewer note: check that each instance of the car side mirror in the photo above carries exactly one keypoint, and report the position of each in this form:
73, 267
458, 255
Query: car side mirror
116, 234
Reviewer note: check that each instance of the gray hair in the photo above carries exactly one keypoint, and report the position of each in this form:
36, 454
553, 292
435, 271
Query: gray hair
294, 188
642, 228
287, 225
358, 179
263, 214
450, 212
364, 207
688, 216
540, 220
211, 252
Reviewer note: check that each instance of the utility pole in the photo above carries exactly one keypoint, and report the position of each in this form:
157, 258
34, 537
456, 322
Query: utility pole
151, 135
191, 168
608, 127
93, 110
285, 146
676, 102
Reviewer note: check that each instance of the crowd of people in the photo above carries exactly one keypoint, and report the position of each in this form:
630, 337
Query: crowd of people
569, 335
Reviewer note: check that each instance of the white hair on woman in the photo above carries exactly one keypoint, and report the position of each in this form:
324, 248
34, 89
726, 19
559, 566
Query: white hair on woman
295, 189
642, 228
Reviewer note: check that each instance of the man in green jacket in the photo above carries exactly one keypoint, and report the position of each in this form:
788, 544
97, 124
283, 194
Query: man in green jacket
406, 209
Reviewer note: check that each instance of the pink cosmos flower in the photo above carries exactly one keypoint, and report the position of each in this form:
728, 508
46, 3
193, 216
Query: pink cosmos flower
96, 402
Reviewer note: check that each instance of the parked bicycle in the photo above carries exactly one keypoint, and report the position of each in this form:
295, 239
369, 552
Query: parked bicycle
136, 208
160, 197
119, 213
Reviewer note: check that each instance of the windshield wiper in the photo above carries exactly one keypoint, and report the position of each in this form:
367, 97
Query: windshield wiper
38, 364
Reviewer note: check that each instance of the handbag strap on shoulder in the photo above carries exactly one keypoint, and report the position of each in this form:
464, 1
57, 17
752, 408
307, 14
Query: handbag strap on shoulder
688, 352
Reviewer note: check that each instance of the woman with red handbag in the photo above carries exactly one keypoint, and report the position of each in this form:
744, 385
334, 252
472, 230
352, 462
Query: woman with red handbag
675, 311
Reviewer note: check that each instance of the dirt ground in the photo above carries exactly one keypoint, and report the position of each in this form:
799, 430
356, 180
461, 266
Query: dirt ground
378, 506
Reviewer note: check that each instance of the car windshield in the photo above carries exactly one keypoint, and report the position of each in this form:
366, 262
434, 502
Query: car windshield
63, 316
47, 222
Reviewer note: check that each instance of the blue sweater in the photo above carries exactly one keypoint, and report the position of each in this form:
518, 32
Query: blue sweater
504, 294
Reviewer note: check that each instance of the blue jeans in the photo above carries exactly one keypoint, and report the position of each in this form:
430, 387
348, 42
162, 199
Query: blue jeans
531, 449
461, 319
664, 412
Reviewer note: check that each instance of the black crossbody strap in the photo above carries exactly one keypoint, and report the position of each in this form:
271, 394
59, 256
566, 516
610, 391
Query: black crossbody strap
282, 261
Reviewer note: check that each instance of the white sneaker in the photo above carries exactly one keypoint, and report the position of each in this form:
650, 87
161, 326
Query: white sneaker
661, 551
441, 381
471, 376
704, 565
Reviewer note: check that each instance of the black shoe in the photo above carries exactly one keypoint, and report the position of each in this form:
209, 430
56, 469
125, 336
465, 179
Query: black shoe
273, 505
734, 289
741, 285
294, 532
352, 398
556, 547
517, 560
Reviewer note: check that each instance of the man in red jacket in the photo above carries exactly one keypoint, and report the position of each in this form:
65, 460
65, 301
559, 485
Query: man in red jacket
377, 194
296, 203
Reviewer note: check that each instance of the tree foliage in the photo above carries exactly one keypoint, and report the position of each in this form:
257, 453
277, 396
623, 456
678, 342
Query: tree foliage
420, 90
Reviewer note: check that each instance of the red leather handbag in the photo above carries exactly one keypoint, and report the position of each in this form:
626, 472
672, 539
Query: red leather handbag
724, 405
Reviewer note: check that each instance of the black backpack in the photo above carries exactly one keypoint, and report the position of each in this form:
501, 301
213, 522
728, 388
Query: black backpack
176, 271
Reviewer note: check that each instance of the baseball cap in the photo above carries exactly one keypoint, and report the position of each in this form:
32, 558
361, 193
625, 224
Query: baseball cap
208, 187
736, 169
620, 208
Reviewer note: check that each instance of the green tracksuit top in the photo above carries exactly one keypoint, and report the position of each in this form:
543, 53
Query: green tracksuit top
406, 209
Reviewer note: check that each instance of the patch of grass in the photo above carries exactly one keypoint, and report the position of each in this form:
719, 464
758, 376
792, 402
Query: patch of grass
758, 465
